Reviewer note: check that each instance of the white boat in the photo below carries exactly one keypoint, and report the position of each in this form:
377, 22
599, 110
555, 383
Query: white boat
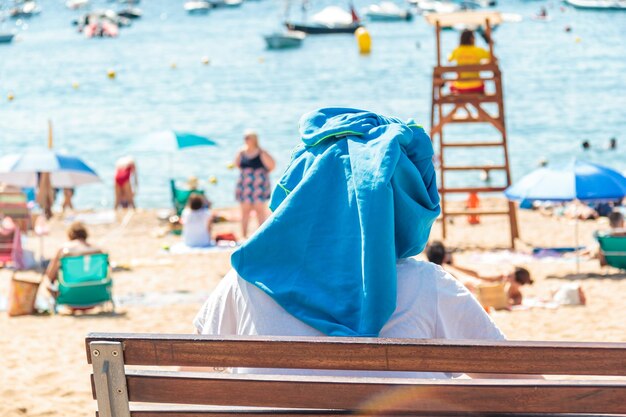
387, 11
283, 40
26, 9
197, 7
598, 4
6, 37
429, 6
76, 4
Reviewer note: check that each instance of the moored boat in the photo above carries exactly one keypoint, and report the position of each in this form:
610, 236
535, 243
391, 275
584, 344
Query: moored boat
330, 20
6, 37
284, 40
598, 4
387, 12
197, 7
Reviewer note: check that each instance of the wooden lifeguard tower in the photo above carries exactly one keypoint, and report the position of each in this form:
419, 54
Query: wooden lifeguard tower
487, 107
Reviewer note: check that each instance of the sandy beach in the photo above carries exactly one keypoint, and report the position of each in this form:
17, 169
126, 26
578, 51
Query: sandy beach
44, 371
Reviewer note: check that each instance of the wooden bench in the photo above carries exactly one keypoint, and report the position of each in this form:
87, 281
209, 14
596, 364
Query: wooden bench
220, 394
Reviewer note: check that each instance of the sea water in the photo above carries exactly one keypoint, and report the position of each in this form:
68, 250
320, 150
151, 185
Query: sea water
560, 88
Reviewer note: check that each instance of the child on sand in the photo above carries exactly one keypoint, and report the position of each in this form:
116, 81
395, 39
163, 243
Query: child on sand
468, 54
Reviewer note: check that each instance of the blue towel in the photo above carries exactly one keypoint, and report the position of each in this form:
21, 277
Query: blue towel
359, 193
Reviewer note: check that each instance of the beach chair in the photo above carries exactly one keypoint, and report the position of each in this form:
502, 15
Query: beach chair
14, 204
6, 248
84, 282
614, 249
180, 196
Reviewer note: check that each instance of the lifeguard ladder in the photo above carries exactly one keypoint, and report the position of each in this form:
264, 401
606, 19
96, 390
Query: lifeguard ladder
469, 108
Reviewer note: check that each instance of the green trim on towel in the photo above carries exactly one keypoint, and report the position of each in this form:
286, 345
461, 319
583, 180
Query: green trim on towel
347, 132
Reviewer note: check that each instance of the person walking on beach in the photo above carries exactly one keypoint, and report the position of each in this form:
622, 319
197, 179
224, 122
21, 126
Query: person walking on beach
468, 54
253, 187
125, 170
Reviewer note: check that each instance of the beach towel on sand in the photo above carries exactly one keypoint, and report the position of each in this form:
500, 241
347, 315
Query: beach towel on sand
358, 194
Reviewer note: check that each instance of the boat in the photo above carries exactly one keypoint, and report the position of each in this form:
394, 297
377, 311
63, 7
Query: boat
284, 40
429, 6
101, 29
6, 37
76, 4
387, 12
26, 9
330, 20
225, 3
130, 13
197, 7
598, 4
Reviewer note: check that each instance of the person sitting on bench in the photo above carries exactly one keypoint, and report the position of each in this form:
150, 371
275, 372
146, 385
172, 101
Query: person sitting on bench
75, 246
356, 203
468, 54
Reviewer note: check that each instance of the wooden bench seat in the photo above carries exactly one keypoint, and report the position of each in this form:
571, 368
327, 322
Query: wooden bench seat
186, 394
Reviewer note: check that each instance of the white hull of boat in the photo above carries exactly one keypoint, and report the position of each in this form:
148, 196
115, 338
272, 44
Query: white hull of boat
197, 7
286, 40
598, 4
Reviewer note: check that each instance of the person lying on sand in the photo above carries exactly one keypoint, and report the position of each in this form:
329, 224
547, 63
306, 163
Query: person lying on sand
514, 280
335, 257
75, 246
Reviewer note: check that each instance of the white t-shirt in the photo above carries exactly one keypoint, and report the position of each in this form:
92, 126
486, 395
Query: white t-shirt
195, 227
431, 304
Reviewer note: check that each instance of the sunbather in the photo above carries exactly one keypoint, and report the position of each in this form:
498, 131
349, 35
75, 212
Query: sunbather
76, 245
514, 280
355, 204
197, 220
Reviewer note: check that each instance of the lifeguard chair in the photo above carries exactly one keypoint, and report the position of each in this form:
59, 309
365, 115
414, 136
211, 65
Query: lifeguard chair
487, 107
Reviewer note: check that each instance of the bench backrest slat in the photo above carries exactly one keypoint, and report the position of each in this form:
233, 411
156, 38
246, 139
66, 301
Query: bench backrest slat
605, 359
376, 393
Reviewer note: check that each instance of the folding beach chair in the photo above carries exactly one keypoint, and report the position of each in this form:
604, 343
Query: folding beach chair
180, 196
6, 248
85, 282
614, 249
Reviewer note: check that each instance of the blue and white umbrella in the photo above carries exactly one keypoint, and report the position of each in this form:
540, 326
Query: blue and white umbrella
170, 141
579, 180
21, 170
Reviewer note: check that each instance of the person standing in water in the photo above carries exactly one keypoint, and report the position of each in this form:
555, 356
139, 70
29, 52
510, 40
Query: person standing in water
253, 187
125, 170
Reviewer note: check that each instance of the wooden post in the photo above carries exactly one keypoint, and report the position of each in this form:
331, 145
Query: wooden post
438, 37
50, 137
488, 33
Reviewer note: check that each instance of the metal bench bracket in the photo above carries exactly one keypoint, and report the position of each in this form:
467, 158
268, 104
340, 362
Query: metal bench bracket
109, 379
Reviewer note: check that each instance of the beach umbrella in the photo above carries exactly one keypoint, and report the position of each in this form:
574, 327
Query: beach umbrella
21, 170
171, 140
578, 180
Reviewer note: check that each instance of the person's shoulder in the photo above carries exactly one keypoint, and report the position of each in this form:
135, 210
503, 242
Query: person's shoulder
412, 266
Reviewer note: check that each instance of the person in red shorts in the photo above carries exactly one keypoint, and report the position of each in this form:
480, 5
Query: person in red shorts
468, 54
125, 170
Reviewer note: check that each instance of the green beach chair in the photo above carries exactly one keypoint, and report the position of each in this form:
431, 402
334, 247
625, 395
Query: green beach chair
180, 196
84, 282
614, 249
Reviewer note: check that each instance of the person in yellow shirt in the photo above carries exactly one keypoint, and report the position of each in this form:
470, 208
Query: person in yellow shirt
468, 54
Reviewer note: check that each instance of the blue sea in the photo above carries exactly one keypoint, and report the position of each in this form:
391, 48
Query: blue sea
560, 88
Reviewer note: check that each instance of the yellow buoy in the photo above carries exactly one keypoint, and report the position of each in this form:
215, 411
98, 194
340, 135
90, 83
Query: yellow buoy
261, 60
578, 39
10, 96
363, 40
231, 165
213, 179
111, 74
173, 65
75, 85
205, 60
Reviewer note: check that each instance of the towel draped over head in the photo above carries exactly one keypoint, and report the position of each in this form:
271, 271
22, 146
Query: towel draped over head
359, 194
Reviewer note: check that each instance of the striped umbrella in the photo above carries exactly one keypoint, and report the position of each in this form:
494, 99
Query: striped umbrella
21, 170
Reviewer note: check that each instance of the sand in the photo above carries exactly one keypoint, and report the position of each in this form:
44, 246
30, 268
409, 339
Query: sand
43, 370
